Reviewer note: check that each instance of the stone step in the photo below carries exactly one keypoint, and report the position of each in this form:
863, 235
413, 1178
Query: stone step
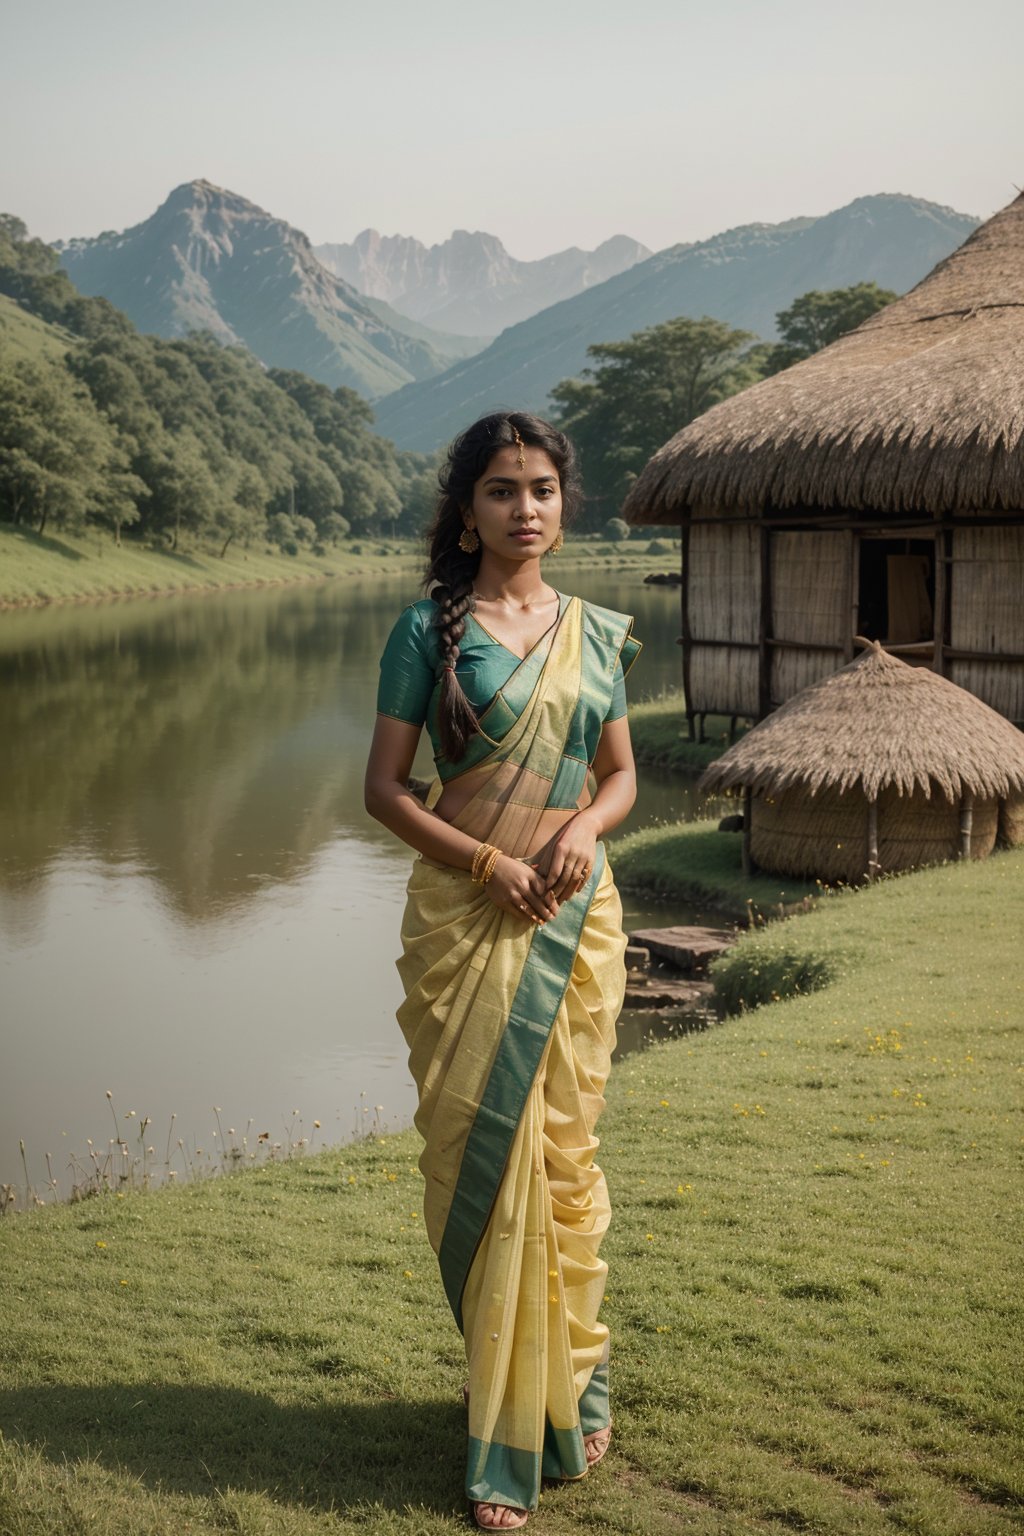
666, 992
687, 949
637, 958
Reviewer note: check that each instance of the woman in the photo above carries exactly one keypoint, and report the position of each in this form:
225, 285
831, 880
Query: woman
513, 945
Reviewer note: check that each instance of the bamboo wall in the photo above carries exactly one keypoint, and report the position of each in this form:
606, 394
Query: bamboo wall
724, 594
811, 604
768, 611
987, 614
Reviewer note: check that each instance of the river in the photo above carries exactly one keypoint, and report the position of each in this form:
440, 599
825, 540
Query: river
195, 911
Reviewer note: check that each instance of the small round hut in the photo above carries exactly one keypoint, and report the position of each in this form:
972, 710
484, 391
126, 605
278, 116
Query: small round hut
880, 767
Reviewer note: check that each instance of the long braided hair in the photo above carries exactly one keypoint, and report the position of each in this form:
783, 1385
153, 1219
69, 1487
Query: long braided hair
451, 572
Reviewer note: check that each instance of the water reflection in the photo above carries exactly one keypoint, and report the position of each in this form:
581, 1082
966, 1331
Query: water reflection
194, 907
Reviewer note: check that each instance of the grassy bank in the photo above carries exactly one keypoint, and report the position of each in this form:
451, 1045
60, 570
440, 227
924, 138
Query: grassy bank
693, 861
813, 1290
658, 729
64, 568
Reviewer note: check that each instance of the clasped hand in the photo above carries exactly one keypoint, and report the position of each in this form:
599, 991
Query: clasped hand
536, 888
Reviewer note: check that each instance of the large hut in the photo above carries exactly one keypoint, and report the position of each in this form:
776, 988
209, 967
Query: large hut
880, 767
876, 489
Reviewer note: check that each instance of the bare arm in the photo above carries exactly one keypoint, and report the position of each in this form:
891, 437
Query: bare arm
389, 800
566, 856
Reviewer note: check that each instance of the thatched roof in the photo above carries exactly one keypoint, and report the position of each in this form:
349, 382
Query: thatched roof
921, 408
878, 723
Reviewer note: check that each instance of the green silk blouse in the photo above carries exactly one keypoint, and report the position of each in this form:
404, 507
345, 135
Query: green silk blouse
410, 686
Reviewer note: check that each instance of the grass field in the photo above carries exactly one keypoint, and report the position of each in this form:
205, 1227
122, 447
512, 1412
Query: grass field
814, 1288
66, 568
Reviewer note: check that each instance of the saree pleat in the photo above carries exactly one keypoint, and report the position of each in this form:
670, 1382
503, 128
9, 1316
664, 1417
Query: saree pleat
510, 1030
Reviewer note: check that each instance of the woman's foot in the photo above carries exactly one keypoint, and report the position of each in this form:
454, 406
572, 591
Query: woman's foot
498, 1517
596, 1445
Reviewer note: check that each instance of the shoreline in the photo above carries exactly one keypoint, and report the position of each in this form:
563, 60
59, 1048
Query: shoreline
43, 571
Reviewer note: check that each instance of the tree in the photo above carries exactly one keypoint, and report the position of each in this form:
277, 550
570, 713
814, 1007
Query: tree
816, 319
55, 448
641, 392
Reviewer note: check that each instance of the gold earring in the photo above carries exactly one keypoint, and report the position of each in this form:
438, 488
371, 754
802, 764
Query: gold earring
556, 543
469, 540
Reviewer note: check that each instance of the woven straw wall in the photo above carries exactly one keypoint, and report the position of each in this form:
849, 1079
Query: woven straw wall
988, 614
724, 581
824, 836
810, 603
810, 587
724, 593
1011, 822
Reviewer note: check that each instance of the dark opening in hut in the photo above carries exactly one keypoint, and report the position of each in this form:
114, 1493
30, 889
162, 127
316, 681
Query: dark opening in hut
875, 489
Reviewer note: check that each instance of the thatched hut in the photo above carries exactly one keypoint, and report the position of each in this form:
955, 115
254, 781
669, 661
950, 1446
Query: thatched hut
876, 488
882, 766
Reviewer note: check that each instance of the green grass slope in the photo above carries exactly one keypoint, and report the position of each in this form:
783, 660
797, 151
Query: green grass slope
67, 567
813, 1292
23, 335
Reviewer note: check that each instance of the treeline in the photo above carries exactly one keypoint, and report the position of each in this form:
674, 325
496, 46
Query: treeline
641, 391
186, 437
192, 439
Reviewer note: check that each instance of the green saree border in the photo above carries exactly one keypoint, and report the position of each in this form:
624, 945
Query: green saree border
507, 1474
538, 997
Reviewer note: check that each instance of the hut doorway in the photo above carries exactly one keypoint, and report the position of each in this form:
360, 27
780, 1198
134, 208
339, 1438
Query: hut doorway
896, 590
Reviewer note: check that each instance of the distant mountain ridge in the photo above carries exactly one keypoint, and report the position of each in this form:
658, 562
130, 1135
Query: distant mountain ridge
469, 284
211, 260
743, 276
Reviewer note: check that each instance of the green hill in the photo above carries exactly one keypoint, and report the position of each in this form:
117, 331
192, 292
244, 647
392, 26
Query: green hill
210, 260
180, 441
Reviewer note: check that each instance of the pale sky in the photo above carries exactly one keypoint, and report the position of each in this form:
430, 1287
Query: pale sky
546, 122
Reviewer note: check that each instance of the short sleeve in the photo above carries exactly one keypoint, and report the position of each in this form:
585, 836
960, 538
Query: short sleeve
617, 707
630, 651
406, 674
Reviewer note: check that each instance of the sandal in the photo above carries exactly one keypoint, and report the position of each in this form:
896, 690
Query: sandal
500, 1524
589, 1440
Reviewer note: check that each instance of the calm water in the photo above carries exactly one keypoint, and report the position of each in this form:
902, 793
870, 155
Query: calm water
194, 908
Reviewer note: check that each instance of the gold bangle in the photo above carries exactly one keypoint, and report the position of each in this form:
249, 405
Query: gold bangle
488, 869
483, 853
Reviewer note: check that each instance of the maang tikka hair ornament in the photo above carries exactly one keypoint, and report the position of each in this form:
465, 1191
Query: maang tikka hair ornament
521, 461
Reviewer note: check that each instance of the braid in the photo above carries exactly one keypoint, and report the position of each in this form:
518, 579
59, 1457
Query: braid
453, 573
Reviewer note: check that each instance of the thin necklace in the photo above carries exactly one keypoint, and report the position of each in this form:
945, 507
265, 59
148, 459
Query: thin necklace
523, 607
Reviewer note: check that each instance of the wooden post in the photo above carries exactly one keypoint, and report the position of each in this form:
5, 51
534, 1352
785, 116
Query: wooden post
748, 862
943, 557
873, 865
852, 584
966, 823
764, 628
685, 635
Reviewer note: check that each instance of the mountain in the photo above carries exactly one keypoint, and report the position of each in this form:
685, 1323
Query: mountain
744, 276
470, 284
210, 260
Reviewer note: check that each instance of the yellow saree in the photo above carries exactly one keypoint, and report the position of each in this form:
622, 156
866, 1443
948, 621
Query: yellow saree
510, 1029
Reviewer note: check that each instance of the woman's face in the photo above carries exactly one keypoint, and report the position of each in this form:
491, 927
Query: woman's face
517, 511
